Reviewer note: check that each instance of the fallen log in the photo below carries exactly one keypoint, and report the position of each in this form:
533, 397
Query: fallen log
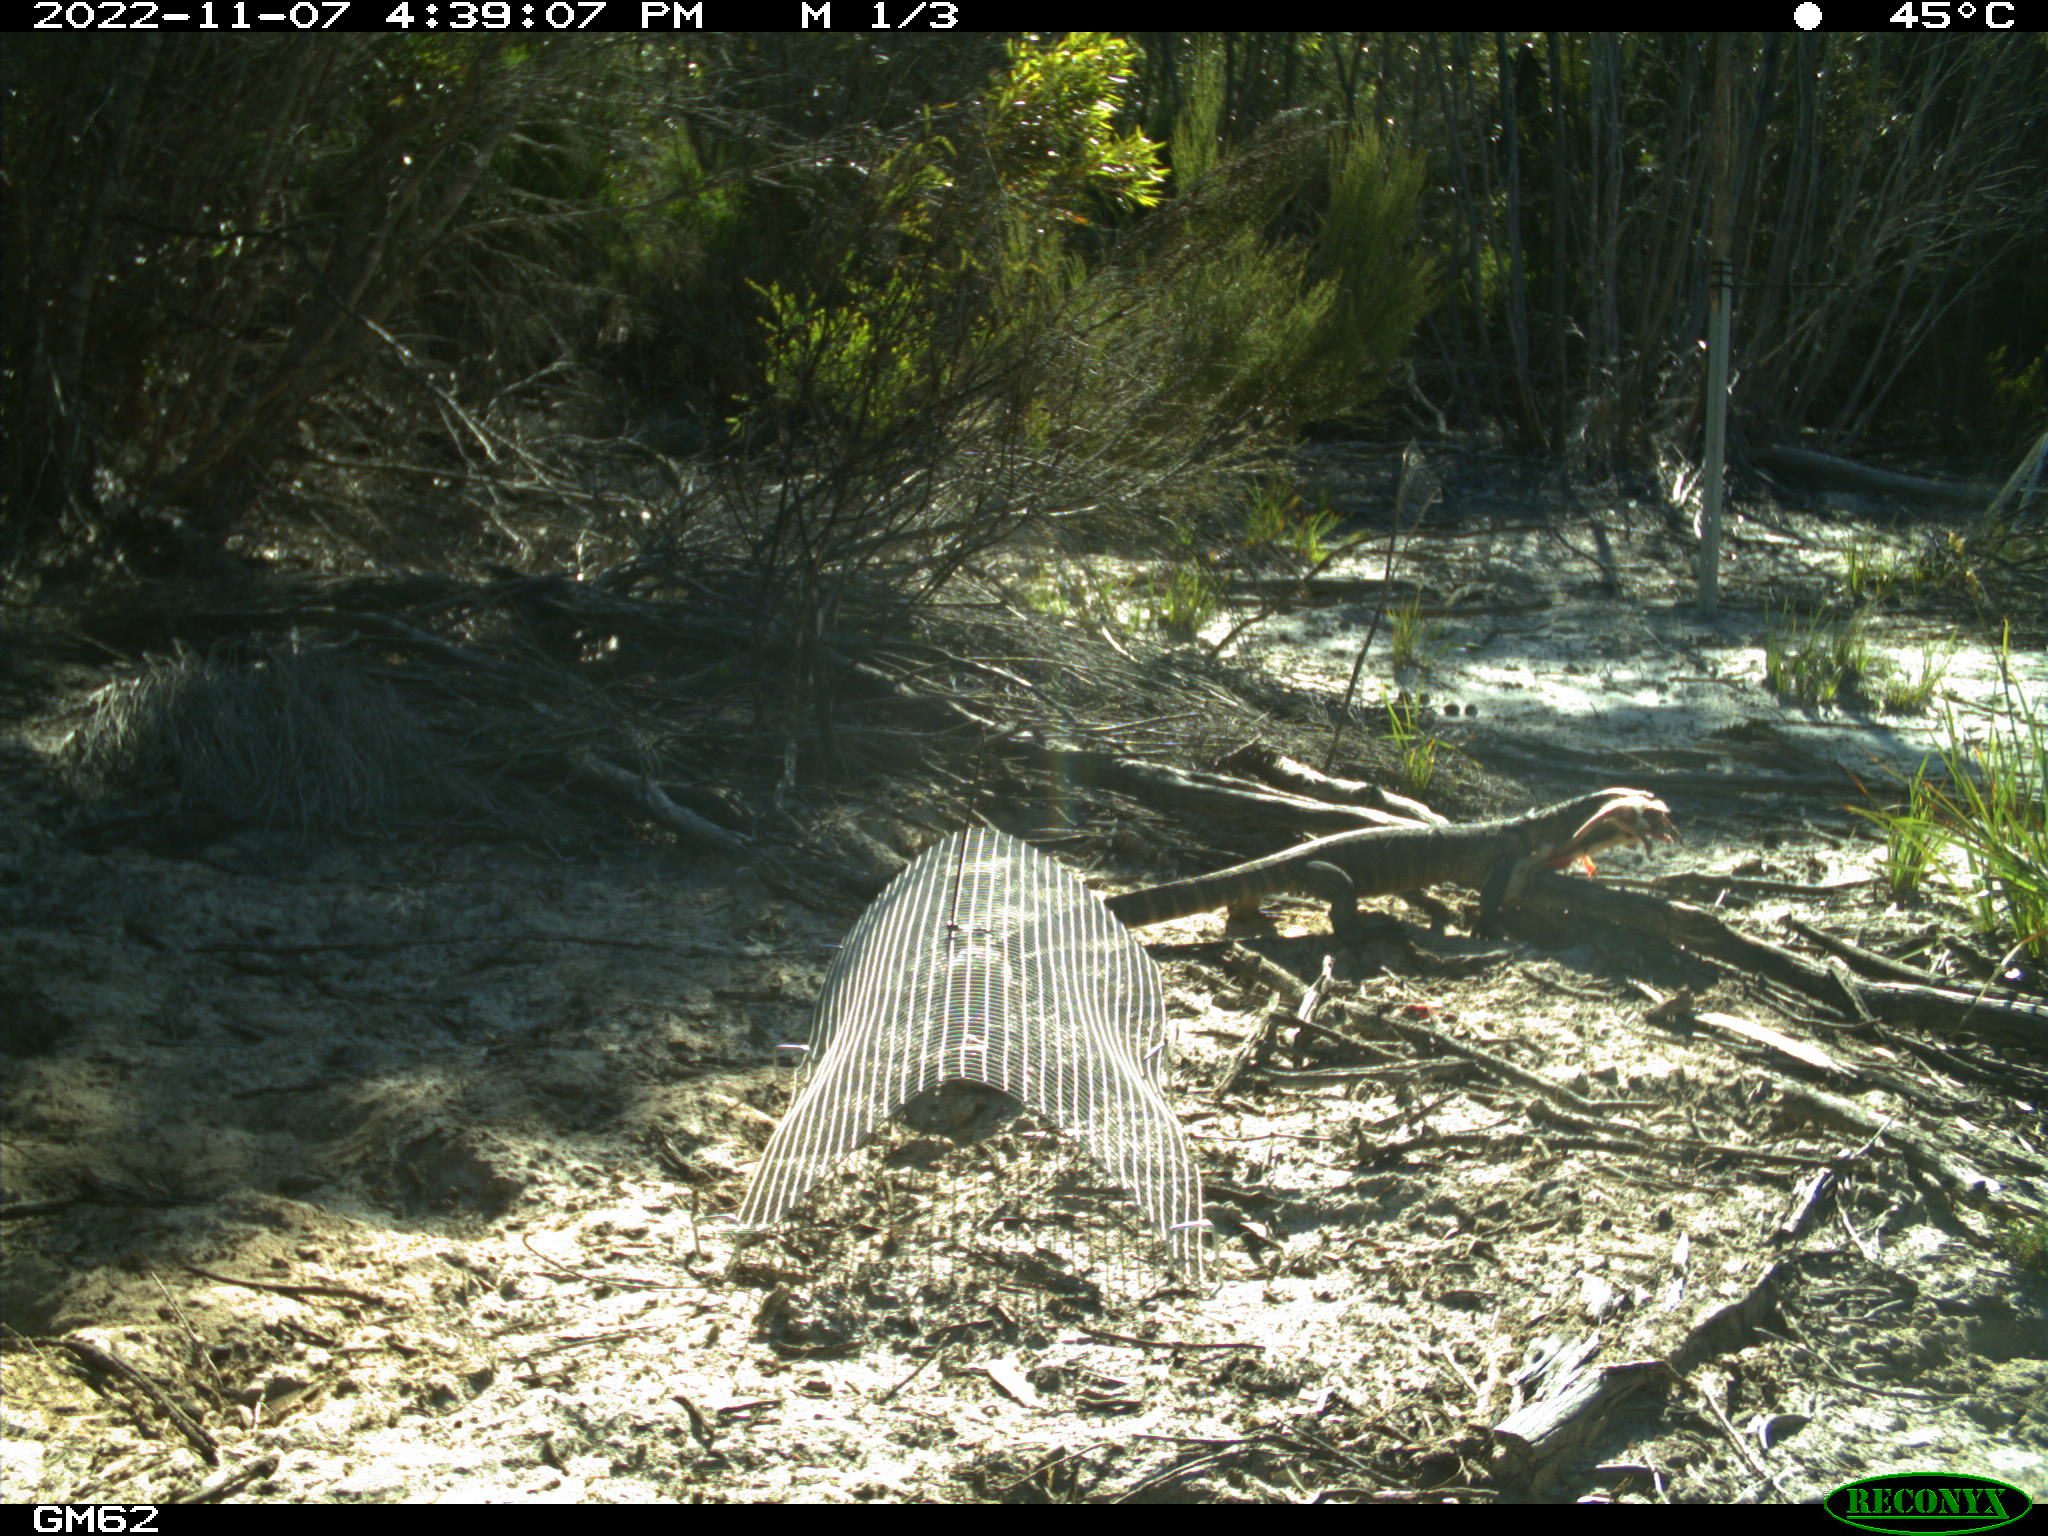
654, 803
1204, 794
1847, 475
1299, 778
2001, 1014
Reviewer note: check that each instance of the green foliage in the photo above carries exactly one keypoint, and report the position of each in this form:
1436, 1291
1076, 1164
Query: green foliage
1948, 563
1050, 127
1060, 590
1197, 128
966, 261
2025, 1242
1052, 593
1872, 569
1914, 836
1995, 808
1184, 598
669, 211
1276, 519
1902, 693
1812, 660
1232, 325
2019, 393
866, 362
1412, 639
1367, 249
1417, 746
1270, 512
1825, 657
1989, 804
1215, 318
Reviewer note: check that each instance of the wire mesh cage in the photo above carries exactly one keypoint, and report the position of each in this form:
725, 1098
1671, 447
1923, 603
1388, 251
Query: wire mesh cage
997, 1043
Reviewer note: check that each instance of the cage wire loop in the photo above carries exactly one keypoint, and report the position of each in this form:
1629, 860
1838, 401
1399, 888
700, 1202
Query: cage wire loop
986, 962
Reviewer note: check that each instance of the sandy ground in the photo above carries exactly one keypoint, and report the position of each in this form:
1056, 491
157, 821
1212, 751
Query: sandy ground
406, 1171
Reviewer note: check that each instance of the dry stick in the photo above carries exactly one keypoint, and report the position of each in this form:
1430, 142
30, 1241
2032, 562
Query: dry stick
1830, 470
700, 1426
354, 945
595, 1277
1800, 1217
281, 1289
1259, 1044
108, 1363
1868, 961
656, 805
1704, 932
1734, 1437
230, 1480
1300, 779
922, 1366
1129, 1338
1553, 1425
1916, 1150
24, 1208
1645, 1145
1500, 1067
1159, 783
1372, 629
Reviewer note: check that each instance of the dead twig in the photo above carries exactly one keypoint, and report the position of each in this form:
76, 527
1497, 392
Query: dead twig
1127, 1338
654, 802
282, 1288
107, 1363
229, 1480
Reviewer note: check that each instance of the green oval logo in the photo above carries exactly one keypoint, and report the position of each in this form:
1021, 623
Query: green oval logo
1913, 1502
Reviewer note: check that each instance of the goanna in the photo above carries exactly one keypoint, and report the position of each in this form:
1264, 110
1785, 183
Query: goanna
1492, 856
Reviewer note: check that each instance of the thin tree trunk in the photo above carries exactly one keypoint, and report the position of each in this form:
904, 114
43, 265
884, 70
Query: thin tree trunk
1560, 144
74, 314
1531, 426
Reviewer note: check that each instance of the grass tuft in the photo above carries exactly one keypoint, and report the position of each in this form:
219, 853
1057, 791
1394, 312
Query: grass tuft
1413, 640
1812, 660
1417, 746
1183, 599
1989, 803
289, 737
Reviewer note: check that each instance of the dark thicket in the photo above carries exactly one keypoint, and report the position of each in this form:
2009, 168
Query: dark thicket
235, 266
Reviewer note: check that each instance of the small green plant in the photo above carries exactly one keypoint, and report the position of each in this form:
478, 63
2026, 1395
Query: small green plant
2019, 391
1269, 512
1050, 594
1417, 746
1914, 835
1074, 593
1311, 538
1989, 804
1183, 599
1413, 639
1276, 519
2000, 821
1904, 694
1872, 570
1812, 660
2026, 1243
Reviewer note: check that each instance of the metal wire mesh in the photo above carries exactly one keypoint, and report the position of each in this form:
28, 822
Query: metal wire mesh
985, 962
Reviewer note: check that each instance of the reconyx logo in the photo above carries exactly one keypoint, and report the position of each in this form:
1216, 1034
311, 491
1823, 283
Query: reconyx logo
1948, 1502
